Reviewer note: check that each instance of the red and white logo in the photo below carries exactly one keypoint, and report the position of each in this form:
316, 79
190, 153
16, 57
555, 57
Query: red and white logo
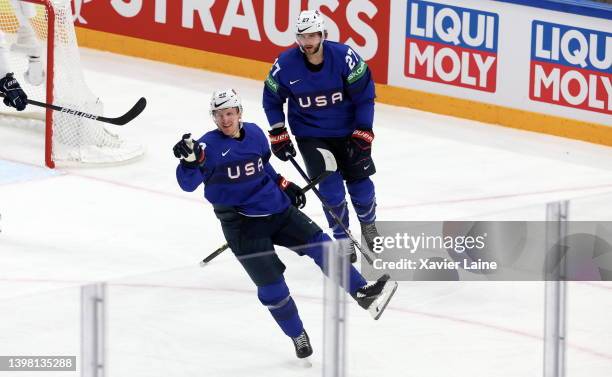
571, 67
451, 45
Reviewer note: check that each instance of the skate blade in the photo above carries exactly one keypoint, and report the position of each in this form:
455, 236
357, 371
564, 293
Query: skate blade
305, 362
378, 307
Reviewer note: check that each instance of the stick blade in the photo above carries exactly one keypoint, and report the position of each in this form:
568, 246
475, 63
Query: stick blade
132, 113
330, 160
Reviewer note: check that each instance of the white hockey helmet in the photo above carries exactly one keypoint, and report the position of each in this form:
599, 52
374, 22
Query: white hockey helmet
310, 21
224, 99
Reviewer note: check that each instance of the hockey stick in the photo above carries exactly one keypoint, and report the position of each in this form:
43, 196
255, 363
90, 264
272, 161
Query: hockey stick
132, 113
214, 254
225, 246
328, 155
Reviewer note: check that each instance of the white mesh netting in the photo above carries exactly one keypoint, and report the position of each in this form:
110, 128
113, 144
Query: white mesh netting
24, 28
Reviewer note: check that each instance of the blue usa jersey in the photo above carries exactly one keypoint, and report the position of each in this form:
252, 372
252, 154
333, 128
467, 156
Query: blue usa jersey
237, 173
332, 102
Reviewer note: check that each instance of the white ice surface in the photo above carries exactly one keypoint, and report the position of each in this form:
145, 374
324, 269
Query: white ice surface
125, 224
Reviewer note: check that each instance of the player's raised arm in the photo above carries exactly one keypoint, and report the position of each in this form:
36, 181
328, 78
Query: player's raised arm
192, 158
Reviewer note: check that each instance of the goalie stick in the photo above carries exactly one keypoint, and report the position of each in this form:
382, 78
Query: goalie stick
329, 169
132, 113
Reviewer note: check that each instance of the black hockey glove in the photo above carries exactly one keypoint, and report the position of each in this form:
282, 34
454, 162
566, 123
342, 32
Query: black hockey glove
293, 191
360, 145
281, 143
14, 96
190, 152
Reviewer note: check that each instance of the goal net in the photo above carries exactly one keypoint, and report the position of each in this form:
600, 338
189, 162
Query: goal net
39, 42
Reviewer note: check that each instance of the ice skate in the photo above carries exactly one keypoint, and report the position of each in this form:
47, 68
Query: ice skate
303, 349
376, 296
369, 233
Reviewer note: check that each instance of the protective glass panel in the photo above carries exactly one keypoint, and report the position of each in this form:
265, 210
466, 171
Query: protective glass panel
589, 303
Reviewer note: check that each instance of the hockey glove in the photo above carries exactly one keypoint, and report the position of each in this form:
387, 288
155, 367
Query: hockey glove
190, 152
293, 191
14, 96
281, 143
360, 145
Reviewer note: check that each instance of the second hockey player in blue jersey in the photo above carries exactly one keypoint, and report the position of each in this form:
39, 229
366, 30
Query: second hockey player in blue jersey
258, 209
330, 94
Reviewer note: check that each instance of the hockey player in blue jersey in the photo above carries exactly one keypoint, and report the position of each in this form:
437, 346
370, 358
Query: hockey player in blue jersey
331, 106
257, 209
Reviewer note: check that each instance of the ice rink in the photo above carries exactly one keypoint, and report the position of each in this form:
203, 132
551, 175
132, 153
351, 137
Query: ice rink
132, 226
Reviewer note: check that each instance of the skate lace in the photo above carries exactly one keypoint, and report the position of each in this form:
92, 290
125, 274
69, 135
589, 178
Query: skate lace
369, 289
301, 341
369, 231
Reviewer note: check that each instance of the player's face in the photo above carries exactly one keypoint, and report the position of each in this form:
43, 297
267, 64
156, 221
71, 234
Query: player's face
310, 42
228, 121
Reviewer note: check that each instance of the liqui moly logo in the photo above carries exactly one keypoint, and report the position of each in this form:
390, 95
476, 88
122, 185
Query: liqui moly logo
571, 66
451, 45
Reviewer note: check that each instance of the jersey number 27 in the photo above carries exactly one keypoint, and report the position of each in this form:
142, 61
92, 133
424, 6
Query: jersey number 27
350, 58
276, 67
